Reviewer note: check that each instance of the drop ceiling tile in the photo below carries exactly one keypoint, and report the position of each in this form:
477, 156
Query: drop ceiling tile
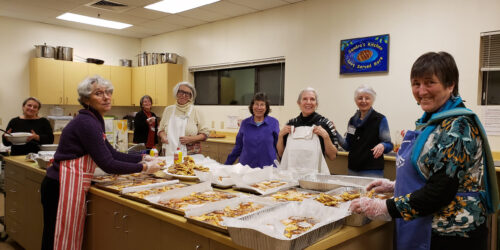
259, 4
204, 15
228, 8
51, 4
157, 27
138, 3
180, 20
28, 12
146, 13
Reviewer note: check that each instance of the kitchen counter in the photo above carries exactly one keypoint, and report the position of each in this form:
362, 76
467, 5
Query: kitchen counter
377, 234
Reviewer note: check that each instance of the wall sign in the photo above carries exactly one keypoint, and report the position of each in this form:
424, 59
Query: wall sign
366, 54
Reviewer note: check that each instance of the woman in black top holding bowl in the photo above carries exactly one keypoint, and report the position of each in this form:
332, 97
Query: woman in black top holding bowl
30, 122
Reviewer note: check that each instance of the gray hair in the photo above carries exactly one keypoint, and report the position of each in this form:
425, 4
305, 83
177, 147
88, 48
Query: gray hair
85, 87
187, 84
365, 89
308, 89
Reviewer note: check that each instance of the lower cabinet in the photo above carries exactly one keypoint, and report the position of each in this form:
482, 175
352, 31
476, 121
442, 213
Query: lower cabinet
23, 209
216, 150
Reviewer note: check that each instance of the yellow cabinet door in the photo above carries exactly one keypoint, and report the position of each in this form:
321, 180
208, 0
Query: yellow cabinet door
46, 80
138, 84
101, 70
74, 73
121, 80
174, 76
151, 83
161, 84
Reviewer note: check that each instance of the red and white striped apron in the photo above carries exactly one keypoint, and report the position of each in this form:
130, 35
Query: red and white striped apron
74, 178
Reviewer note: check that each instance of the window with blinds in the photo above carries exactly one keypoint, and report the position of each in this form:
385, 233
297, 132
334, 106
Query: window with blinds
236, 83
490, 68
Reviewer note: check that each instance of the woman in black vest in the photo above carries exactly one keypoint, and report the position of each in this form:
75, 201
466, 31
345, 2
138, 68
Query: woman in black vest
146, 124
368, 136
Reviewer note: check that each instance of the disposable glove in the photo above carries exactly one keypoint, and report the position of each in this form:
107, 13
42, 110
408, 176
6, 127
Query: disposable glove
147, 157
374, 209
151, 167
381, 186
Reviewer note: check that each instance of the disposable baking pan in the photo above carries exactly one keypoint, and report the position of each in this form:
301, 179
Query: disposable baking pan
329, 182
254, 239
300, 190
355, 220
153, 186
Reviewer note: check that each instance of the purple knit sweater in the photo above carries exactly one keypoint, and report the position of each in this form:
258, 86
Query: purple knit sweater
85, 135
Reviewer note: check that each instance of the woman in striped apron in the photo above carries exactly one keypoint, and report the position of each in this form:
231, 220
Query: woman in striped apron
83, 147
445, 178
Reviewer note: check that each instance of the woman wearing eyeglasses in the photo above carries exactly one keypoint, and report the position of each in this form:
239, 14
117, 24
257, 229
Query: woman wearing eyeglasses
182, 125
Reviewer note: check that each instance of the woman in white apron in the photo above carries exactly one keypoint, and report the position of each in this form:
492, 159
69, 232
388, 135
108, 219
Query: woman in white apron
182, 125
445, 177
305, 148
83, 147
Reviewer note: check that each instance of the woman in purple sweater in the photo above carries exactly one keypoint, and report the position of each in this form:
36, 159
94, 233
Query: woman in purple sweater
83, 146
257, 137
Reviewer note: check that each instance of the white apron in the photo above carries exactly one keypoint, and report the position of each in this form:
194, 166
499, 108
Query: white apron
303, 153
176, 129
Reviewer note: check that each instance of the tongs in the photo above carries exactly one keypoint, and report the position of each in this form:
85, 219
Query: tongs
6, 132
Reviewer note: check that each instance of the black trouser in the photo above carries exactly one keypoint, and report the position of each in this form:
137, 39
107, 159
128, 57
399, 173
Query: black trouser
477, 240
49, 191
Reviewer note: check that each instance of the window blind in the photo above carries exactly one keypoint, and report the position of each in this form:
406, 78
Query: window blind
490, 51
239, 64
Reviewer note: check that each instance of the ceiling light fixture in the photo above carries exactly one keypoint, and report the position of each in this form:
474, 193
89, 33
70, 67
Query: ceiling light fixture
176, 6
93, 21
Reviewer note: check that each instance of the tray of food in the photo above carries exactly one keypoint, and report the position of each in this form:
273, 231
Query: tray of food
292, 194
291, 225
180, 200
141, 193
185, 170
329, 182
116, 184
265, 187
213, 215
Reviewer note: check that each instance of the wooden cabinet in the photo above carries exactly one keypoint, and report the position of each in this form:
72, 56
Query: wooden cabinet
156, 81
46, 80
102, 70
73, 73
216, 150
23, 209
121, 78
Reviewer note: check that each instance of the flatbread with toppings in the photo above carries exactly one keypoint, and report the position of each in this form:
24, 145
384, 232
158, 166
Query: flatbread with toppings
196, 198
216, 217
265, 185
295, 225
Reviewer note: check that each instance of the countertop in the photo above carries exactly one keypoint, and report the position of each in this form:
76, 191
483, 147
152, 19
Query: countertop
345, 234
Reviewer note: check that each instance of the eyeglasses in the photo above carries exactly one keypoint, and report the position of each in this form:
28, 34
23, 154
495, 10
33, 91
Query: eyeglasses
184, 93
100, 93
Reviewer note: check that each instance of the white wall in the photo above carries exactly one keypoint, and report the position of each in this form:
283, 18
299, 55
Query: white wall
17, 40
308, 34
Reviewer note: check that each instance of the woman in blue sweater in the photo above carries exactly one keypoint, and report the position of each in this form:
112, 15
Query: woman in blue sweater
83, 146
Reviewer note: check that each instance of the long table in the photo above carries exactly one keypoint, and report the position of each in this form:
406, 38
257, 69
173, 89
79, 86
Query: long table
114, 222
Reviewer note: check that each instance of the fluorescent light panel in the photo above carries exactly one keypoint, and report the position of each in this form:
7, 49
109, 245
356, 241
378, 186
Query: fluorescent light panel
93, 21
176, 6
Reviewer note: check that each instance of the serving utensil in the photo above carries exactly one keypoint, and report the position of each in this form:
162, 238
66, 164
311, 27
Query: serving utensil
5, 132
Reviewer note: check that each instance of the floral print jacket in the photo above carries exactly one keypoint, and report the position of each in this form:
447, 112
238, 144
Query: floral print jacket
452, 163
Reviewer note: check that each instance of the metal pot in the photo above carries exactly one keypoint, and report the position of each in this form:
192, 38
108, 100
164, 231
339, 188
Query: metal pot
142, 59
171, 57
126, 62
155, 58
64, 53
45, 51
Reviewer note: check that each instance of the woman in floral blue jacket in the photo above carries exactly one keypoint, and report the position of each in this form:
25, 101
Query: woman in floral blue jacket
445, 180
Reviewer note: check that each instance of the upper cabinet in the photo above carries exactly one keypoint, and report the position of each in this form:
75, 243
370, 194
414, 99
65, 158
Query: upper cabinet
156, 81
46, 80
56, 82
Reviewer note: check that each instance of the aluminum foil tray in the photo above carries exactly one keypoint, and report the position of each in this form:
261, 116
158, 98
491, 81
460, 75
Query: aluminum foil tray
329, 182
254, 239
355, 220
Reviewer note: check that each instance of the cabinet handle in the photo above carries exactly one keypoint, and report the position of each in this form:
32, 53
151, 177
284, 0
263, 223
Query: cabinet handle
13, 190
125, 224
13, 210
114, 220
197, 247
87, 207
60, 100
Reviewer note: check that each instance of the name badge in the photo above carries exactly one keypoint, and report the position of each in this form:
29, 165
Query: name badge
351, 130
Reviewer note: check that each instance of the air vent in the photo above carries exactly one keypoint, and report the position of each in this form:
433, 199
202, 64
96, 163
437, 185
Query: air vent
109, 5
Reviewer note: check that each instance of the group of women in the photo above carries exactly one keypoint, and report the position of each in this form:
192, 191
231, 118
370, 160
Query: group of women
445, 181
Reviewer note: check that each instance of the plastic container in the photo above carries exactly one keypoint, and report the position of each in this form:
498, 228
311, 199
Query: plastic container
178, 156
153, 152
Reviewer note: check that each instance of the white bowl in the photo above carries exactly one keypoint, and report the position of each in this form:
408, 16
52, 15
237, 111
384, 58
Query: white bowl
48, 147
18, 138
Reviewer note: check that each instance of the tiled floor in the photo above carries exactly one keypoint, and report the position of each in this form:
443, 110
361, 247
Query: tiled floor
9, 244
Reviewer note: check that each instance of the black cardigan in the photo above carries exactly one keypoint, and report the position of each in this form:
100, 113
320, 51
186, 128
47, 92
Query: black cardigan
141, 127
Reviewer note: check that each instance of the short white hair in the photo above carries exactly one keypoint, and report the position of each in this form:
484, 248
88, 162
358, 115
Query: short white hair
187, 84
308, 89
366, 90
85, 87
